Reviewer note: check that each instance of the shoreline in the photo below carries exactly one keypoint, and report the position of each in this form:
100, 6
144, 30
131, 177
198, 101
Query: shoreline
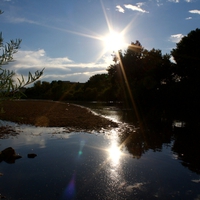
41, 113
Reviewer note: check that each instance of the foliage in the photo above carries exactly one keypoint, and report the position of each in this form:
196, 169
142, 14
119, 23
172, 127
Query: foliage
187, 69
187, 57
10, 83
140, 74
56, 90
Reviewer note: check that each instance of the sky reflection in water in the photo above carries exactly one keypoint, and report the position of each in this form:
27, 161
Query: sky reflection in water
90, 166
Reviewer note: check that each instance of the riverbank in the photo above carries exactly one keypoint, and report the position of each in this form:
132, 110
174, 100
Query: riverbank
53, 114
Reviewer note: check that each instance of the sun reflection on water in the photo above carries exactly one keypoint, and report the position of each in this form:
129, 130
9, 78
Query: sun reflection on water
114, 153
114, 150
114, 164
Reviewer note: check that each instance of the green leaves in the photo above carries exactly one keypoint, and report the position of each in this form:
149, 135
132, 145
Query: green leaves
31, 78
8, 50
11, 84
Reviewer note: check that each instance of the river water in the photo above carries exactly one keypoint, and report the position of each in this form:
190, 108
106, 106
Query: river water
100, 166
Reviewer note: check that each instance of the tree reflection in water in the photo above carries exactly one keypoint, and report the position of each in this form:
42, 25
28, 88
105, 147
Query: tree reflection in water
138, 141
186, 147
184, 141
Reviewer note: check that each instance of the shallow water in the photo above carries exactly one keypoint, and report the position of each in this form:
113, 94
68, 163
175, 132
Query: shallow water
91, 166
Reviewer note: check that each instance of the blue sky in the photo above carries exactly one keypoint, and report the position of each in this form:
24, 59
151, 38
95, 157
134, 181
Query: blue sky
68, 37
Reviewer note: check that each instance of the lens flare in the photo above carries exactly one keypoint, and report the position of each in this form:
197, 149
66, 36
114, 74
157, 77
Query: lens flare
82, 144
70, 191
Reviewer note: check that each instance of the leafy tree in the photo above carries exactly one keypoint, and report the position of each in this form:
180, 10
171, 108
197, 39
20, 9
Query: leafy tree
10, 83
97, 85
186, 54
187, 70
139, 77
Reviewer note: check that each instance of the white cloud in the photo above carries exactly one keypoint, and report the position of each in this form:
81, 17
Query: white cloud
176, 38
159, 3
135, 8
55, 68
139, 4
195, 11
174, 1
119, 9
188, 1
188, 18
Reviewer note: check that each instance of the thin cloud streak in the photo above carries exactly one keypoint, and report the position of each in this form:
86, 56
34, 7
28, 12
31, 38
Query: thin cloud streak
24, 20
21, 20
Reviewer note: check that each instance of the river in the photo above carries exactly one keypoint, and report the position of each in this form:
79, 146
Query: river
105, 165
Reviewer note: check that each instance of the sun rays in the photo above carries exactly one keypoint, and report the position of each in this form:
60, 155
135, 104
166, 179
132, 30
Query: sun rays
111, 39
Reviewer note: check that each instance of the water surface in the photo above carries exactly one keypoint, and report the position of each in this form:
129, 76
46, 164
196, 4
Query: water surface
104, 165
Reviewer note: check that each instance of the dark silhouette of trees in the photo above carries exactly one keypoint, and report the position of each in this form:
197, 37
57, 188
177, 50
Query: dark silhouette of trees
97, 87
56, 90
186, 55
187, 71
186, 147
141, 75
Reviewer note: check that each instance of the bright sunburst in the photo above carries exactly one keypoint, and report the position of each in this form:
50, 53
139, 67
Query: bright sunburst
113, 41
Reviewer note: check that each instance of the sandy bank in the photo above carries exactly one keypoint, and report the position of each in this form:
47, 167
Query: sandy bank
53, 114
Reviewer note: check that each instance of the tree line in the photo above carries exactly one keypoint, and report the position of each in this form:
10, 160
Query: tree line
143, 79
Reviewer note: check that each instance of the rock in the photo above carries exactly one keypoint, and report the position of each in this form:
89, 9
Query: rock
31, 155
8, 152
2, 197
9, 155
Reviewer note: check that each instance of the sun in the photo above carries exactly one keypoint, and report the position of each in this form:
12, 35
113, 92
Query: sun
113, 41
